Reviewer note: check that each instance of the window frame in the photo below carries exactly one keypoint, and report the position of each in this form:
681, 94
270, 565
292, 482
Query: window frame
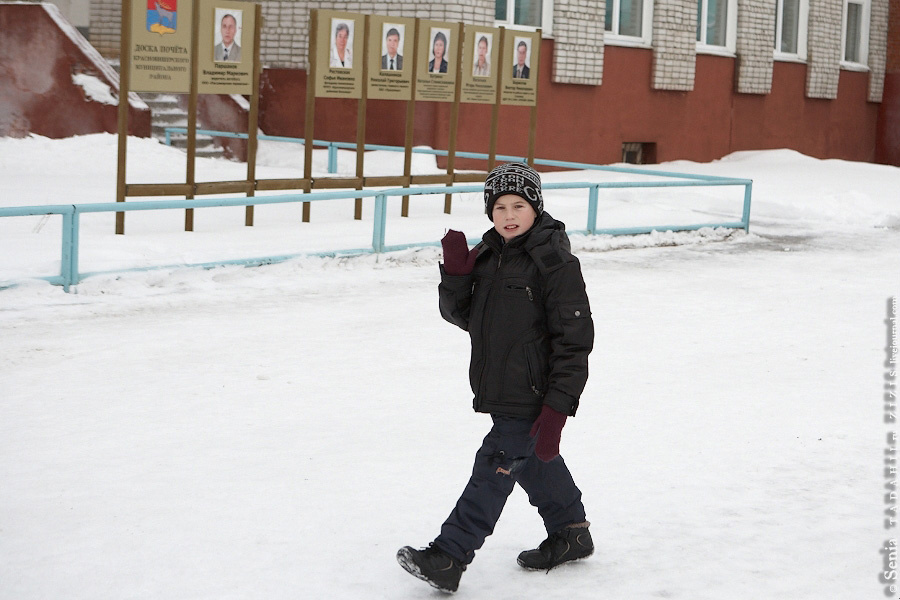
730, 47
802, 33
546, 25
865, 21
645, 40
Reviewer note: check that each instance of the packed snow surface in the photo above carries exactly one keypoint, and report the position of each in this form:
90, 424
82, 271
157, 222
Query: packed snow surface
279, 432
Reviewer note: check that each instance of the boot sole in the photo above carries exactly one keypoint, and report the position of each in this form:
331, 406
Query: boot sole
565, 562
409, 565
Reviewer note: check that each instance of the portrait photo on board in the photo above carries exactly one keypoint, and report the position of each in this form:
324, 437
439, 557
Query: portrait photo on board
522, 54
481, 66
392, 38
341, 44
227, 35
440, 44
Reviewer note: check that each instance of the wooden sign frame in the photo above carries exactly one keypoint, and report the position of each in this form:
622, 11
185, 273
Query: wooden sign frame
420, 36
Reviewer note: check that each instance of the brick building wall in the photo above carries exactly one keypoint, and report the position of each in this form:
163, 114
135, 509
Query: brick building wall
106, 26
824, 49
578, 29
755, 41
878, 31
674, 44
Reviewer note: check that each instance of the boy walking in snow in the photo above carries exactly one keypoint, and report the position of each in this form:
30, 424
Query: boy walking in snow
521, 296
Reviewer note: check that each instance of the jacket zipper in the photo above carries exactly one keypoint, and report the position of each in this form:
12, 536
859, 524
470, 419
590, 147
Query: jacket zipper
485, 329
531, 373
527, 289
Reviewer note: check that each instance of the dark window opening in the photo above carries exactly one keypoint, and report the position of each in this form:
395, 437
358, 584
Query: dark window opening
639, 153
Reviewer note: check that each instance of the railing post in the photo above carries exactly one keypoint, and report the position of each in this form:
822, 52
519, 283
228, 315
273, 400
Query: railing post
380, 222
592, 209
745, 218
69, 259
332, 158
168, 137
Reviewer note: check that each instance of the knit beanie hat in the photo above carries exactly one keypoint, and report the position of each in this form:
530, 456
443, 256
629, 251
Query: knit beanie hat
513, 178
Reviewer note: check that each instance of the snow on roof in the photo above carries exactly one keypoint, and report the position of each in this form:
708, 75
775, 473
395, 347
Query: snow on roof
89, 51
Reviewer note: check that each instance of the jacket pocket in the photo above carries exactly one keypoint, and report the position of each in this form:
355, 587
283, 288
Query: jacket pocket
520, 288
535, 366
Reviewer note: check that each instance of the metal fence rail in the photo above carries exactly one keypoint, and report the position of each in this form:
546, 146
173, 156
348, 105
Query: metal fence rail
334, 146
70, 275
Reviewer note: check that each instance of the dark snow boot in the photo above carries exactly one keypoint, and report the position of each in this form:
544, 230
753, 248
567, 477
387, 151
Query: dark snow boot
432, 565
572, 543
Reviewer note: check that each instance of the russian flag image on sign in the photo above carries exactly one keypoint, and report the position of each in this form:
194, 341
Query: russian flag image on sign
162, 16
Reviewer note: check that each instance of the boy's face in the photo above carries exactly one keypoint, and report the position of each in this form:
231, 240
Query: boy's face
513, 216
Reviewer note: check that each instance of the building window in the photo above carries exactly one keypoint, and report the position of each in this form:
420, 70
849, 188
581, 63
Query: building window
639, 153
524, 14
716, 25
628, 22
791, 22
856, 32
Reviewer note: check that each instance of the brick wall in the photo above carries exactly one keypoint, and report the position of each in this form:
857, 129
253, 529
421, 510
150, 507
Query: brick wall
755, 41
285, 31
878, 31
286, 38
578, 33
674, 44
578, 28
824, 48
106, 25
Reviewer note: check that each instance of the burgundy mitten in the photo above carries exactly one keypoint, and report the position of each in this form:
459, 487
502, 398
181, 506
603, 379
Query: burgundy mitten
548, 427
458, 259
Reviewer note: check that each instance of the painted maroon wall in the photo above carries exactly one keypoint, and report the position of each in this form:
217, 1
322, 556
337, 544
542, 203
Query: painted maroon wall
36, 90
282, 111
590, 123
888, 144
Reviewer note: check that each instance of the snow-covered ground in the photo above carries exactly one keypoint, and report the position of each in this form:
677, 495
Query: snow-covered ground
278, 432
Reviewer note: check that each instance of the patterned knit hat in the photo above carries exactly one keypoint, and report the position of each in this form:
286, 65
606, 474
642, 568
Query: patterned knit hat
513, 178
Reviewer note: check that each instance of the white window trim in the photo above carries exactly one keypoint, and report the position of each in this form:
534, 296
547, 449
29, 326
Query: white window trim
730, 47
863, 37
802, 34
643, 41
546, 19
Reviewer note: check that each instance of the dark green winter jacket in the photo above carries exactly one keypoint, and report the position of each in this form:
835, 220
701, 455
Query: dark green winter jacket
527, 313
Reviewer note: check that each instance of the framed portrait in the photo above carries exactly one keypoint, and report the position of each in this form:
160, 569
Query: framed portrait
481, 64
439, 50
392, 39
522, 58
228, 26
341, 56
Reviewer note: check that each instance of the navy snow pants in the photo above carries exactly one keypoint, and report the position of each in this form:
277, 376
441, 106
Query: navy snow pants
506, 457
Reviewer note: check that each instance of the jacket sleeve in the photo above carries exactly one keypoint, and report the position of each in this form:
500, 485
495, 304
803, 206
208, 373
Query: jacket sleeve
455, 298
571, 332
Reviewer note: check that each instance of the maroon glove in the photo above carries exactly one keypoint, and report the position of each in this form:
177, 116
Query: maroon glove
458, 259
548, 427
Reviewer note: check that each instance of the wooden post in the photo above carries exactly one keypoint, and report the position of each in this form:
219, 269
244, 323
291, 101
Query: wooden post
253, 118
192, 121
454, 117
361, 121
309, 124
532, 131
124, 85
495, 111
410, 123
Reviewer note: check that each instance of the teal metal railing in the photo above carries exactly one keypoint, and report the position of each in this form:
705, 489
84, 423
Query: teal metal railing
334, 146
70, 275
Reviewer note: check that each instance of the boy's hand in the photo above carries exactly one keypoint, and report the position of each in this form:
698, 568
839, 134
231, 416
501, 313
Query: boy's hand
548, 427
458, 259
